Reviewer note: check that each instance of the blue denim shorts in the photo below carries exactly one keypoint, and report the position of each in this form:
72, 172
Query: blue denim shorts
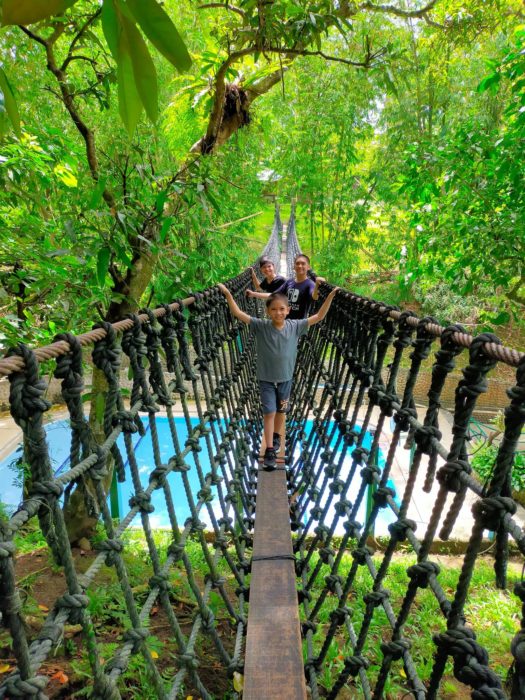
275, 396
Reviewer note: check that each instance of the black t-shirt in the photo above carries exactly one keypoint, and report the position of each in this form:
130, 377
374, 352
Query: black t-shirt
273, 286
299, 296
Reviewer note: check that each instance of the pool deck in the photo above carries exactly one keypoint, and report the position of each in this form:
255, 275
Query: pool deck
421, 503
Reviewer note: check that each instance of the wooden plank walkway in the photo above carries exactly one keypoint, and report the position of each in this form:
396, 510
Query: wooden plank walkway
273, 667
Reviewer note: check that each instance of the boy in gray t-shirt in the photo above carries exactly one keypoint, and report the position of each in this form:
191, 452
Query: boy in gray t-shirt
277, 341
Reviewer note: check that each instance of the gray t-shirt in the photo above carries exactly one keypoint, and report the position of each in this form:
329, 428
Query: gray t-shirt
277, 349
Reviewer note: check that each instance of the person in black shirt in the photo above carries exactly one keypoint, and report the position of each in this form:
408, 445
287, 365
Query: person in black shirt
271, 280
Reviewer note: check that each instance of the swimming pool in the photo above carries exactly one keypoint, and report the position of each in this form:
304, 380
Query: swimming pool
58, 438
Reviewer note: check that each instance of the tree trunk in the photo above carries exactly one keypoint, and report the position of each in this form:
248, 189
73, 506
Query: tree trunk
79, 522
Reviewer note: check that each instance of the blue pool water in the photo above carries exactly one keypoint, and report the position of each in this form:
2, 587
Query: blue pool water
58, 437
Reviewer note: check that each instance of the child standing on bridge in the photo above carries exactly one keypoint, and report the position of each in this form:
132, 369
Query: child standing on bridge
277, 341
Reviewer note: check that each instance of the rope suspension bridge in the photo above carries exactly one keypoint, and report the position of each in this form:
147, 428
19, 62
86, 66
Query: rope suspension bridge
284, 549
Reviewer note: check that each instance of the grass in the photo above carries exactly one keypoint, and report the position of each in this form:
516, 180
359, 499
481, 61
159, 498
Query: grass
493, 614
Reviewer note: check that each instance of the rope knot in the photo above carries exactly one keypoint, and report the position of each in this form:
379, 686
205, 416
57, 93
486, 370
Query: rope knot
490, 511
28, 688
177, 464
375, 598
370, 475
160, 581
362, 554
337, 486
175, 550
26, 388
396, 648
403, 416
424, 435
142, 500
126, 420
340, 615
382, 495
74, 603
401, 527
343, 507
308, 626
159, 475
360, 455
449, 474
332, 582
112, 547
420, 573
7, 549
136, 636
352, 527
353, 664
47, 489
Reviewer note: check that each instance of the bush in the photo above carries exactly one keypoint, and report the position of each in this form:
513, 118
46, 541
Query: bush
483, 464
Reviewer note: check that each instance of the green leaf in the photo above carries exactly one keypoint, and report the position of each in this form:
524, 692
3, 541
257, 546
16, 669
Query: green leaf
110, 27
8, 103
97, 193
102, 265
502, 317
129, 102
143, 68
160, 30
165, 228
29, 11
491, 82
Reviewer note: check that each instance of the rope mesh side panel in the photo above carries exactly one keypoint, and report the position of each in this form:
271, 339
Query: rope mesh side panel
217, 396
347, 383
292, 244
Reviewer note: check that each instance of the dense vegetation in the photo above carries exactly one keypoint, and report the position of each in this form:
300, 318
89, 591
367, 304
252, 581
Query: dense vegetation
398, 127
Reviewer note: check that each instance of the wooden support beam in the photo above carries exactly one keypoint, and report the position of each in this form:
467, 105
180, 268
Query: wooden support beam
273, 667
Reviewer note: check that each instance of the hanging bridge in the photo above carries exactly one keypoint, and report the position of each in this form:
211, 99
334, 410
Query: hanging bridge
284, 551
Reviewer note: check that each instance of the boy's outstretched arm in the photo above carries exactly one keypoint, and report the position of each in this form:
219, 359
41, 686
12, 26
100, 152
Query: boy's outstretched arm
241, 315
312, 320
258, 295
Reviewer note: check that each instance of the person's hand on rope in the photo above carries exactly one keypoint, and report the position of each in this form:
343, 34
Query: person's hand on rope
235, 310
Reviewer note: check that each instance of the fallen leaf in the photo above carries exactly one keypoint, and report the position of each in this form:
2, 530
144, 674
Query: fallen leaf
238, 681
154, 654
60, 676
4, 668
44, 608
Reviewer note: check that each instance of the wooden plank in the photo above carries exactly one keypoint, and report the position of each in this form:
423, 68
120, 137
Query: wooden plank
273, 667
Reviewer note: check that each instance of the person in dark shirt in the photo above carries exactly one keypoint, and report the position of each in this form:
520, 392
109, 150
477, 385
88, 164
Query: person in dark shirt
271, 281
300, 290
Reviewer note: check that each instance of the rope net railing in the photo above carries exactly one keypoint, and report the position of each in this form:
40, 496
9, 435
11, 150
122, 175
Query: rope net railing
272, 249
292, 243
196, 374
221, 421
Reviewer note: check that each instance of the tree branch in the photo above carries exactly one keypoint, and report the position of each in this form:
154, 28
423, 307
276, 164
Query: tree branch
69, 103
366, 63
393, 10
223, 6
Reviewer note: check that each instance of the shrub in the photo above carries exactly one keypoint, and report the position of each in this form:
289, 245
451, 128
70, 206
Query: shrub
483, 464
